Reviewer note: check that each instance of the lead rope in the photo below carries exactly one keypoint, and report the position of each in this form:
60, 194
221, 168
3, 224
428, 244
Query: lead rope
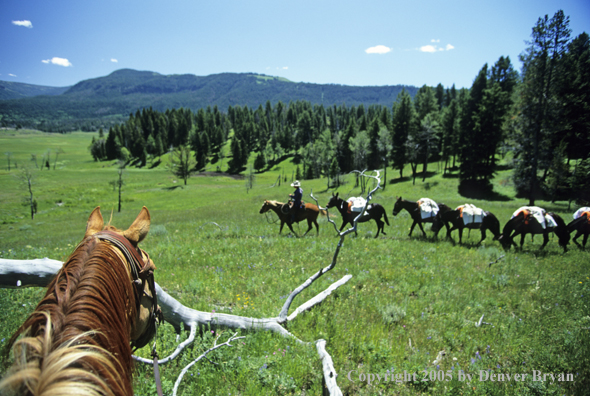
156, 367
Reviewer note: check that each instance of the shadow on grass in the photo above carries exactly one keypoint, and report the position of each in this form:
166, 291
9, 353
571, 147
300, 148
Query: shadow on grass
172, 188
155, 164
400, 180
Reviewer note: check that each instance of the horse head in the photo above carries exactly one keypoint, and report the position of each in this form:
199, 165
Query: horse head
265, 207
505, 241
398, 206
333, 201
100, 305
127, 242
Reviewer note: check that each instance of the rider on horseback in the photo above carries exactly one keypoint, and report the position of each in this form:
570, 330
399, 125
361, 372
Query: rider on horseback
295, 199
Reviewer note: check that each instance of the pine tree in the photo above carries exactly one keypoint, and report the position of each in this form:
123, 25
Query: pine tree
259, 162
404, 123
538, 102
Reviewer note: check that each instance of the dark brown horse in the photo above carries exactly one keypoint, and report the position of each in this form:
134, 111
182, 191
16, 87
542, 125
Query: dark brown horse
374, 212
489, 222
310, 213
524, 223
413, 209
582, 227
100, 304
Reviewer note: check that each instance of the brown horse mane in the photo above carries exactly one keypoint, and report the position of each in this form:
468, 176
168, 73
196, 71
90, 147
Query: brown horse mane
77, 339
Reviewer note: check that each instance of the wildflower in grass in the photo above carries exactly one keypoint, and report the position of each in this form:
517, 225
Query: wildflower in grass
428, 338
472, 360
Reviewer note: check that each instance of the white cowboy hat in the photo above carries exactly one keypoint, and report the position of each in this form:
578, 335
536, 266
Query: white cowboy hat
296, 184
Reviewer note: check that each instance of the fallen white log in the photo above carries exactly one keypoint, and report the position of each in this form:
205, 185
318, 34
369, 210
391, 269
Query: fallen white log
27, 273
328, 369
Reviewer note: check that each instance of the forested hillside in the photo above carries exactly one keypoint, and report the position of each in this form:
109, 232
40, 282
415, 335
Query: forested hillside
540, 118
106, 101
14, 90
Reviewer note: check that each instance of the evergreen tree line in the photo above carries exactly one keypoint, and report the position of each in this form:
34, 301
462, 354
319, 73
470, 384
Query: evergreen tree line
148, 134
542, 116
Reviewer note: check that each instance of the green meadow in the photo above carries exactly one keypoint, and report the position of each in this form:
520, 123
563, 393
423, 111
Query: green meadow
408, 299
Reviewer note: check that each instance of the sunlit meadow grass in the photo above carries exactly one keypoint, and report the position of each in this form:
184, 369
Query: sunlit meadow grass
536, 302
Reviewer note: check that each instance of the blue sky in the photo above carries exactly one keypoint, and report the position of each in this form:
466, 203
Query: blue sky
412, 42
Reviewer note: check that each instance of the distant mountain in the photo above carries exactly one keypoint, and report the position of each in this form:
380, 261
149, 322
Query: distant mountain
14, 90
106, 100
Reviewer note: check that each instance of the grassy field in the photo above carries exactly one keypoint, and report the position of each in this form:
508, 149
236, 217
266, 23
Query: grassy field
408, 299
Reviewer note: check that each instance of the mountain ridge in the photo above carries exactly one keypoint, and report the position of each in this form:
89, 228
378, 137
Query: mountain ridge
102, 101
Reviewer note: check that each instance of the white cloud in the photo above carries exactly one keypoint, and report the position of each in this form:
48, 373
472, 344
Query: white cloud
435, 41
58, 61
24, 23
12, 75
285, 67
114, 60
435, 48
378, 49
428, 48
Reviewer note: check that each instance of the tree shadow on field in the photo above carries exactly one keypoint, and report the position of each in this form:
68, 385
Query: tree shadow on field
155, 164
171, 188
400, 180
480, 191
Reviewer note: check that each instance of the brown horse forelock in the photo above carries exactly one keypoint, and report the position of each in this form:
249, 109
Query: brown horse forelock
90, 302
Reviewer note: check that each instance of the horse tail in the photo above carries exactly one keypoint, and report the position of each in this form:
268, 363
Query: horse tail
561, 230
385, 216
37, 362
494, 225
323, 212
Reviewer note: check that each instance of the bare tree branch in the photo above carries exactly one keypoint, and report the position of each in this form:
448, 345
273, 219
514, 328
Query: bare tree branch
328, 369
319, 298
214, 347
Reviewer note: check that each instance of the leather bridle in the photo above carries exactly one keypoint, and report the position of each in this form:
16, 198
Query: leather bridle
142, 272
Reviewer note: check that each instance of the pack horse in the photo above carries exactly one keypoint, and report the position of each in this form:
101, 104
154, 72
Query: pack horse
349, 213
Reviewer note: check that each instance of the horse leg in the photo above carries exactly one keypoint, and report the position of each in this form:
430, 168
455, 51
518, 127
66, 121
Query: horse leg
522, 240
483, 235
281, 229
585, 240
309, 225
379, 227
292, 230
412, 228
449, 230
545, 239
460, 236
422, 229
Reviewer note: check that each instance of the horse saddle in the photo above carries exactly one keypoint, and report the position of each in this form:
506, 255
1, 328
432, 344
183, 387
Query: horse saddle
471, 214
428, 208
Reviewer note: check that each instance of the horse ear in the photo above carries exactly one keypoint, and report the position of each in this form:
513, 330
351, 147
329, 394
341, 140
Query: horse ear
140, 227
337, 194
95, 222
